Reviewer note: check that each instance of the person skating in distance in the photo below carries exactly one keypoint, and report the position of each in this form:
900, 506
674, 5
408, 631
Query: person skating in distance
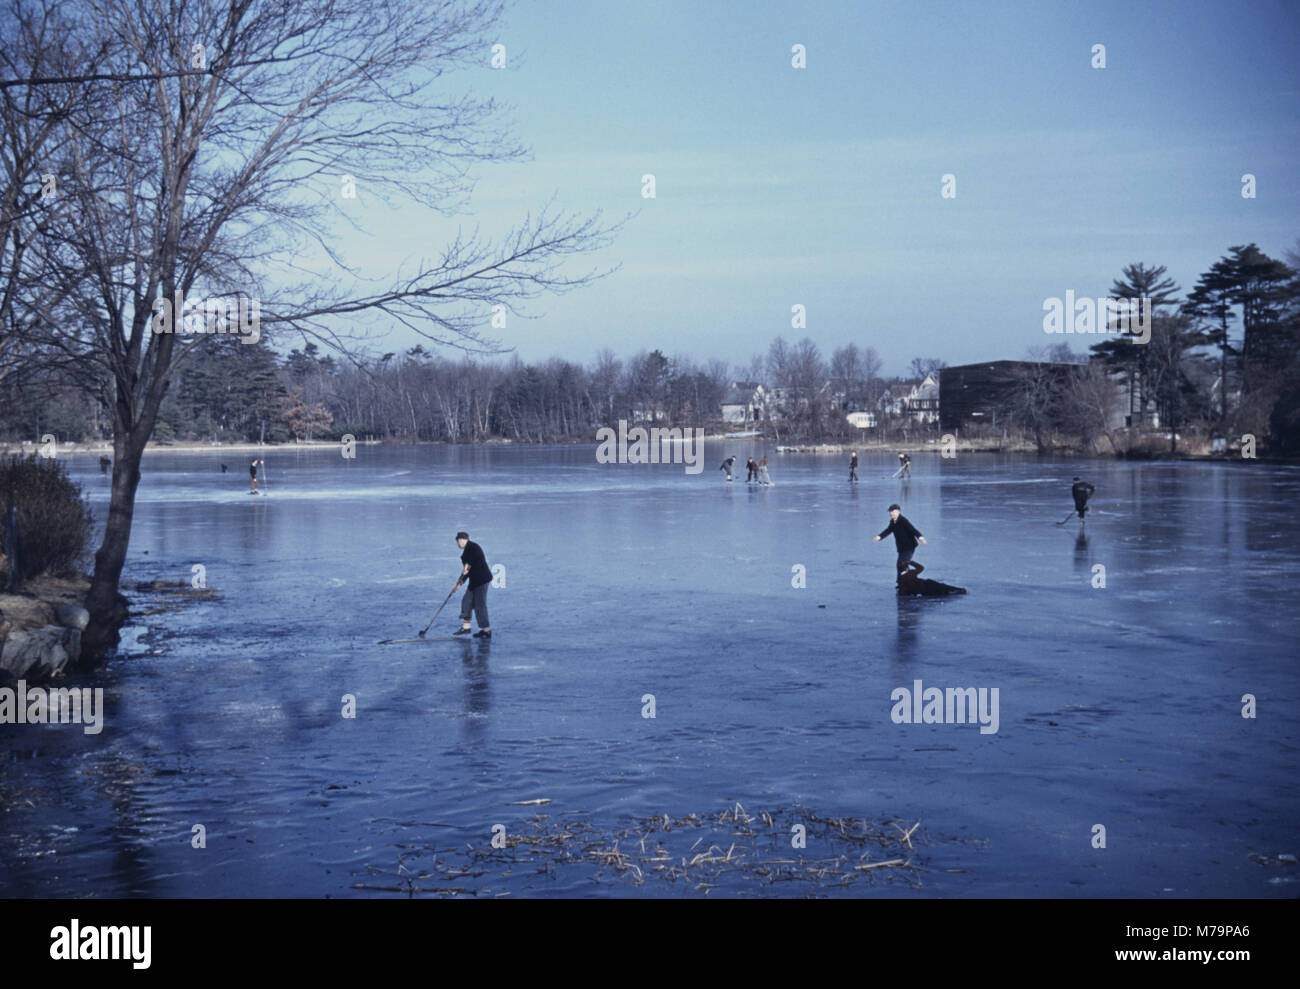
751, 470
910, 582
1081, 491
479, 575
904, 466
252, 478
853, 466
906, 535
726, 465
763, 476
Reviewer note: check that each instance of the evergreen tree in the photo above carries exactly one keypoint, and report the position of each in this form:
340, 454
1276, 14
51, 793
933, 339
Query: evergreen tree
1120, 352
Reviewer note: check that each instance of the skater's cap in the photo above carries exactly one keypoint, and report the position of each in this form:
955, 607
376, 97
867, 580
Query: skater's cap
894, 508
462, 535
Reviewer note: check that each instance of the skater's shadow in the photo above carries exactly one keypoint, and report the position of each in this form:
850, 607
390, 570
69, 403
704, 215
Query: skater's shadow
1081, 551
477, 696
909, 611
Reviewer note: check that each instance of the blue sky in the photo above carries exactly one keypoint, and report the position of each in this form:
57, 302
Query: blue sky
821, 186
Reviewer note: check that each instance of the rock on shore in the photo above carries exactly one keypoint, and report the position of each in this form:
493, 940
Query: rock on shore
40, 632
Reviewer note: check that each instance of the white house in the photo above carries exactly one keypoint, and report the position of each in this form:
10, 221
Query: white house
743, 403
915, 400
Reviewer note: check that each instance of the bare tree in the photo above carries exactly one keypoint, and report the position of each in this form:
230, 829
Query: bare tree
203, 184
871, 368
604, 378
1036, 397
778, 363
1091, 402
35, 47
922, 367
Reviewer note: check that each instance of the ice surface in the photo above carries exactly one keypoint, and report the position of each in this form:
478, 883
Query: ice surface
1118, 706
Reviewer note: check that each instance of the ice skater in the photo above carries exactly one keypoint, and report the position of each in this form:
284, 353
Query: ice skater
904, 466
751, 471
910, 582
727, 465
853, 466
763, 477
906, 535
479, 575
1081, 492
252, 478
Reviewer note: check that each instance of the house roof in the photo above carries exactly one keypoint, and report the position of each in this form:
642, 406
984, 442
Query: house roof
930, 390
740, 393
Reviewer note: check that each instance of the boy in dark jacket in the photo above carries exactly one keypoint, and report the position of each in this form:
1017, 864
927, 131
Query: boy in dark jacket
906, 535
479, 575
1081, 491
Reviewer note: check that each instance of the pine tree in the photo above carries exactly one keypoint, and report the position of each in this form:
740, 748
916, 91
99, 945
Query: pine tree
1139, 282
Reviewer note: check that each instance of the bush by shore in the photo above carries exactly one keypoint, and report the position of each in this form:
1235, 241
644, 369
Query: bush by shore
52, 519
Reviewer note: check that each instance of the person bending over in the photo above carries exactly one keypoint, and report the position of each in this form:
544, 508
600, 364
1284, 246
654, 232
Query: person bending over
479, 575
910, 582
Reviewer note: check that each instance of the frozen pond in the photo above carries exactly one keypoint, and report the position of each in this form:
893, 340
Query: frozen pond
1118, 706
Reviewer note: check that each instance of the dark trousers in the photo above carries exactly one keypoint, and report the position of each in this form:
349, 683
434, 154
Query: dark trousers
475, 600
903, 556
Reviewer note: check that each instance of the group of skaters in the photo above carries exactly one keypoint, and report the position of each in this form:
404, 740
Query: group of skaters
755, 472
252, 474
476, 572
904, 467
906, 536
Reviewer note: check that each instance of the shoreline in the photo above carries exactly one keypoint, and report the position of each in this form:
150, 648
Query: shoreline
105, 448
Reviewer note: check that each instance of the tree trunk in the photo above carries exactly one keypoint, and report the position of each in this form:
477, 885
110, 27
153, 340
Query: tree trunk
131, 431
108, 608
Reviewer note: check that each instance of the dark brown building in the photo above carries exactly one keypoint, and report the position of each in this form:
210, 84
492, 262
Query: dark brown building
985, 394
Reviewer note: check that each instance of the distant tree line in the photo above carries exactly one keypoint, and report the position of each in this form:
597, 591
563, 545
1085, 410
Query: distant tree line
227, 390
1222, 360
